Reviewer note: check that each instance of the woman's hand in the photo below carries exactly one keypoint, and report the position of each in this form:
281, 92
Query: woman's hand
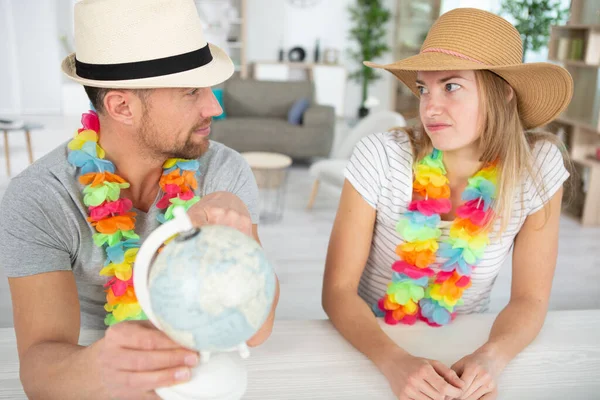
479, 372
417, 378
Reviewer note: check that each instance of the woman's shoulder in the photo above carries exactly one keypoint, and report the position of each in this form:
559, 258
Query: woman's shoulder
545, 149
394, 143
547, 157
548, 171
380, 160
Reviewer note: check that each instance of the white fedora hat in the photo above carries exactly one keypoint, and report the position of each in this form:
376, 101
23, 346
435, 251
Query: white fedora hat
137, 44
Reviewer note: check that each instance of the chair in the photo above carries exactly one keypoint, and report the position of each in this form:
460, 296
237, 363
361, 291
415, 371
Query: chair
26, 128
331, 171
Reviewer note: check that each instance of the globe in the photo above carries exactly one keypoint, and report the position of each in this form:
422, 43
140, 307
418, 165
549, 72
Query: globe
211, 291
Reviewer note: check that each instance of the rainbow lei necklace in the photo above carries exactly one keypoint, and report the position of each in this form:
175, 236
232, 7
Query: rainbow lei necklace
112, 217
416, 291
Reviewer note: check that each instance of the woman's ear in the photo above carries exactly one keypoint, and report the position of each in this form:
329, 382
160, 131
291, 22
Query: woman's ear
510, 93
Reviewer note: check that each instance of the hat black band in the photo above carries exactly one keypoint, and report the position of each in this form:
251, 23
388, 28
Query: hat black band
144, 69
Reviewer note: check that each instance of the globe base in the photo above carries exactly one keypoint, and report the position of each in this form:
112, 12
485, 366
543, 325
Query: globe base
224, 377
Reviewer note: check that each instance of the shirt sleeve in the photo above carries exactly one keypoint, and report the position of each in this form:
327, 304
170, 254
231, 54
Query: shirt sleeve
367, 168
234, 175
33, 238
550, 174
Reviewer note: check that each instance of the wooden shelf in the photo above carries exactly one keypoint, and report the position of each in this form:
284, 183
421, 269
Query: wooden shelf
587, 161
236, 37
576, 46
571, 121
237, 49
298, 65
410, 28
575, 63
578, 26
584, 13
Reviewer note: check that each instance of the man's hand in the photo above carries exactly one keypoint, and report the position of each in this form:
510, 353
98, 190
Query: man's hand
222, 208
135, 358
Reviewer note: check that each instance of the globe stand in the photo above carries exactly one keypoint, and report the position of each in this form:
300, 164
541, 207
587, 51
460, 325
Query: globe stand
220, 375
223, 378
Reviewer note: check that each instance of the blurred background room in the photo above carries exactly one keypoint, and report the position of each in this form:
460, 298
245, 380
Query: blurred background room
298, 103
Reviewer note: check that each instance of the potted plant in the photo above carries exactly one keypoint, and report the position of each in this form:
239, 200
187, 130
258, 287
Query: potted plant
369, 18
533, 19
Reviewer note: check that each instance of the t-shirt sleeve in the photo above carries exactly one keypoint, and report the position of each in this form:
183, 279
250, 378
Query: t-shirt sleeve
33, 231
550, 174
366, 168
231, 173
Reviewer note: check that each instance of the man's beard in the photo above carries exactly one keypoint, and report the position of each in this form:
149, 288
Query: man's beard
191, 149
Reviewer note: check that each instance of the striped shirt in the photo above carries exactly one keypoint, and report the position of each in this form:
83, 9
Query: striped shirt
380, 169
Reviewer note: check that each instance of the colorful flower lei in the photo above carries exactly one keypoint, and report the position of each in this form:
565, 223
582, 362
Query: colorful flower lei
417, 291
111, 215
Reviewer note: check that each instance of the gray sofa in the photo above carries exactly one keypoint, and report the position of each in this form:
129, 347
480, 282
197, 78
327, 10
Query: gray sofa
257, 114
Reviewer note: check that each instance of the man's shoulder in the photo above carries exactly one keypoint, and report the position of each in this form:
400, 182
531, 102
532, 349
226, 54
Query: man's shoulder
45, 178
220, 158
52, 164
217, 149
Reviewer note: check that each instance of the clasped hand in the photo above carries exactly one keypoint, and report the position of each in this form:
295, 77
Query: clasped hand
479, 372
414, 378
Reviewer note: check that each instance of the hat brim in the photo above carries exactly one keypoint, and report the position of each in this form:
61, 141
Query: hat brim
215, 72
543, 90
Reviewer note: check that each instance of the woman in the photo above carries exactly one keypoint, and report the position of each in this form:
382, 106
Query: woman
427, 217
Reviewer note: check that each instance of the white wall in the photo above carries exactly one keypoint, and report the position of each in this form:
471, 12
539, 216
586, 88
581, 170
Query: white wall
64, 19
32, 71
30, 51
10, 102
274, 23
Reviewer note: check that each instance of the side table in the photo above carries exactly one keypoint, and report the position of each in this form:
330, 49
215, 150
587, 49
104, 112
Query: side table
270, 171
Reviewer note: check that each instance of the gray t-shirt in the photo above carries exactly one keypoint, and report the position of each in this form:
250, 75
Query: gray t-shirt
43, 226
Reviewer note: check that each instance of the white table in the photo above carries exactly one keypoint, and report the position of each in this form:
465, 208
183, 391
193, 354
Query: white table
310, 360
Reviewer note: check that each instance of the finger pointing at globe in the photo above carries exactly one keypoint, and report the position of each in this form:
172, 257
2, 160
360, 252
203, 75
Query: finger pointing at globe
222, 208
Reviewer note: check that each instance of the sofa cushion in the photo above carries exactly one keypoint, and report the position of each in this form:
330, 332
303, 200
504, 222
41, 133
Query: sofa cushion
259, 133
274, 135
219, 96
264, 99
297, 111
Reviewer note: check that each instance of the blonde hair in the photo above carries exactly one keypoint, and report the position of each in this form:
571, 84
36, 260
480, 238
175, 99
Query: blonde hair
503, 138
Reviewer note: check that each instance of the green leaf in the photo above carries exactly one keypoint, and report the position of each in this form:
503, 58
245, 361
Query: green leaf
368, 32
533, 20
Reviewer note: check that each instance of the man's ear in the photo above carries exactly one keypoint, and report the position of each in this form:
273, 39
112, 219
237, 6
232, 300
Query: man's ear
121, 105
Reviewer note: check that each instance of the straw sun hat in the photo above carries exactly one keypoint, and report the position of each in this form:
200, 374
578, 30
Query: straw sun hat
143, 44
472, 39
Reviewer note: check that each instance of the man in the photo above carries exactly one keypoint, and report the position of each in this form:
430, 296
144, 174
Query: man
148, 73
